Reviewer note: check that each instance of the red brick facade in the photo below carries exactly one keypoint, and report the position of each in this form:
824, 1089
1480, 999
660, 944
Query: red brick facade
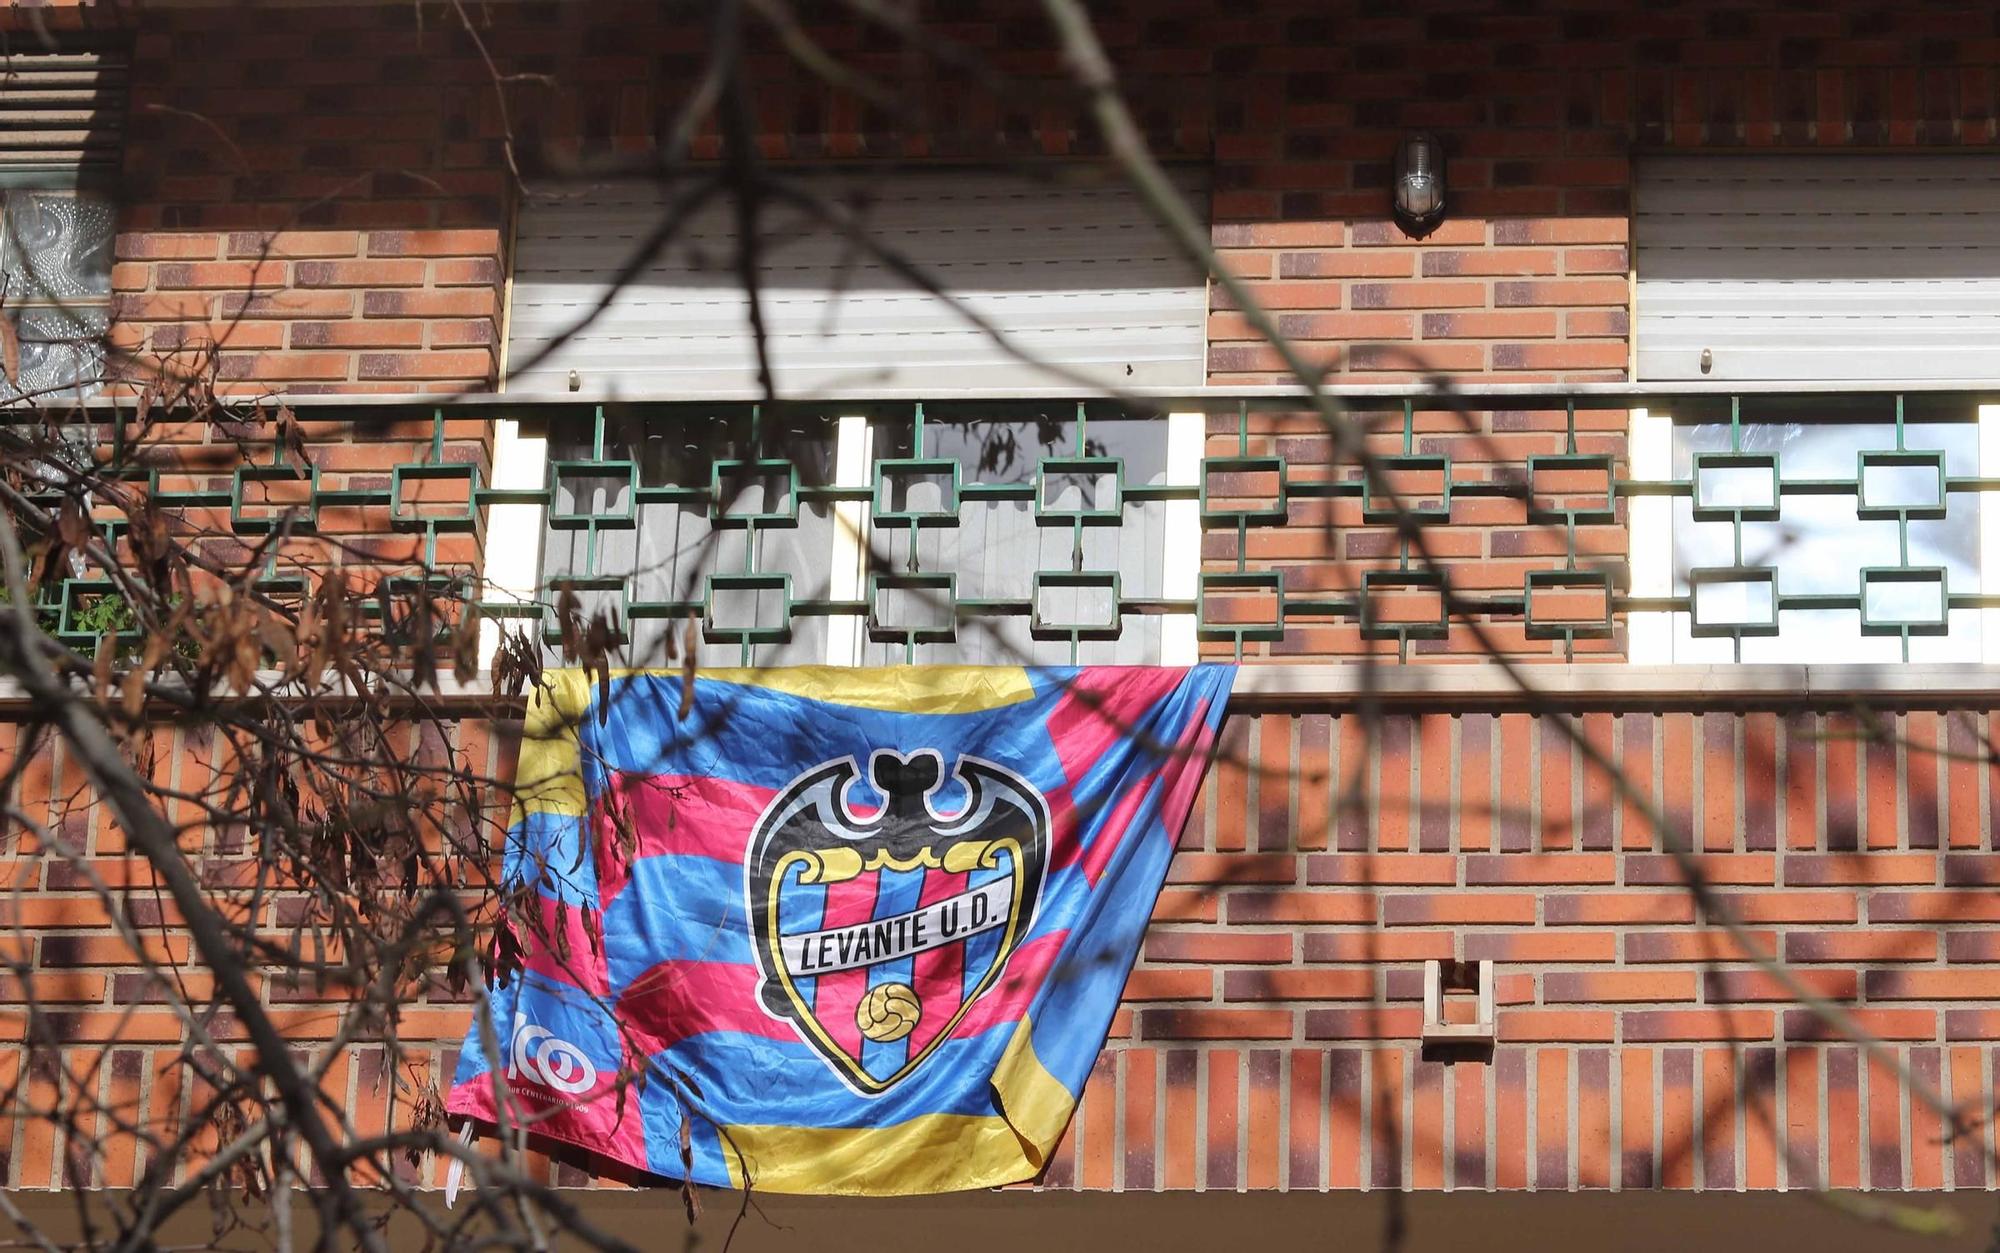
1270, 1036
350, 234
324, 196
1270, 1039
321, 195
370, 138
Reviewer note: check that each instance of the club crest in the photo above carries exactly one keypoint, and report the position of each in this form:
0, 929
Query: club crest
878, 924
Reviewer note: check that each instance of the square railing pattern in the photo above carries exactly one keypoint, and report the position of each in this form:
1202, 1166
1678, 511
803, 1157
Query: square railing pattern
758, 513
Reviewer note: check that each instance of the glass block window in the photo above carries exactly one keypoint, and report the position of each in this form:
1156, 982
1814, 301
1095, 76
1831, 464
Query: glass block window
1828, 530
55, 287
59, 153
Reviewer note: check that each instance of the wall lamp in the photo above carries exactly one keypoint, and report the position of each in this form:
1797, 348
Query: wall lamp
1420, 185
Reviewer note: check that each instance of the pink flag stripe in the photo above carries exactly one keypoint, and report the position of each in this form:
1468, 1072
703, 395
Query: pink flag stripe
1193, 762
563, 951
676, 1000
1118, 829
688, 815
836, 996
1008, 1000
1100, 710
599, 1121
939, 980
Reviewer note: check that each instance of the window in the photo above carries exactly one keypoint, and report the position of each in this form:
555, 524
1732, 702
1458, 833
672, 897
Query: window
56, 218
1830, 511
1860, 268
1072, 273
958, 531
631, 531
1055, 524
873, 531
55, 287
1814, 529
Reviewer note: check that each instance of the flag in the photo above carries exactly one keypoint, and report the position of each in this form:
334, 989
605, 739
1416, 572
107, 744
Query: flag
830, 930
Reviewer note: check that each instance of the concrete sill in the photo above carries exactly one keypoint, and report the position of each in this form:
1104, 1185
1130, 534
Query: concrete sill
1478, 687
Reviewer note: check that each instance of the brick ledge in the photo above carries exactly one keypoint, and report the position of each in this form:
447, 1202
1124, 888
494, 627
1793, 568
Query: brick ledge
1482, 686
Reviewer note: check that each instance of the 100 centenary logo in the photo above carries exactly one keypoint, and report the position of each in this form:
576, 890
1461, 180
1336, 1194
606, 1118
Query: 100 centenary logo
877, 929
538, 1055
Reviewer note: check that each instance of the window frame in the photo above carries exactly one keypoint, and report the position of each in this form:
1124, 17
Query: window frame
1650, 634
71, 182
73, 159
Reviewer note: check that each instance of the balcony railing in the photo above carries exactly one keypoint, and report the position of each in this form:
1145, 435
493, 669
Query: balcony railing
900, 529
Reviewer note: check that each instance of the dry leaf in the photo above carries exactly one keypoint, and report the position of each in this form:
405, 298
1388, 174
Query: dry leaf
101, 672
687, 669
688, 1196
10, 349
72, 525
277, 640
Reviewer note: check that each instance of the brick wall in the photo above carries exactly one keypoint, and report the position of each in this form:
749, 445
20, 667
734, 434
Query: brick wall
313, 200
355, 452
373, 140
318, 193
1269, 1037
1487, 534
324, 192
100, 1016
1541, 111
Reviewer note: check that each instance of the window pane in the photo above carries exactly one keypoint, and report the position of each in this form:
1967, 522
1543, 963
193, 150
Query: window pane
57, 246
62, 351
999, 545
674, 546
1822, 540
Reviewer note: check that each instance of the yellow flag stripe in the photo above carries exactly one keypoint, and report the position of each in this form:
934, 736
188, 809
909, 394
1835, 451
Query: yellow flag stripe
548, 778
895, 689
929, 1153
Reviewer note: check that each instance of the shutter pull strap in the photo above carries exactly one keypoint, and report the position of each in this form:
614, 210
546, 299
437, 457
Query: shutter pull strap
455, 1174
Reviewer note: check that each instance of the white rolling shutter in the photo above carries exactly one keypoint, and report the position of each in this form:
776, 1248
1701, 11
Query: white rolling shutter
1841, 266
1077, 275
62, 110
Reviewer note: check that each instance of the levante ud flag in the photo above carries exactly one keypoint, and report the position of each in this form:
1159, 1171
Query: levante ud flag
830, 930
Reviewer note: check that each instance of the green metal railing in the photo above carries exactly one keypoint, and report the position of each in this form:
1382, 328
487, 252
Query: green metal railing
886, 499
1554, 500
1242, 491
1385, 503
